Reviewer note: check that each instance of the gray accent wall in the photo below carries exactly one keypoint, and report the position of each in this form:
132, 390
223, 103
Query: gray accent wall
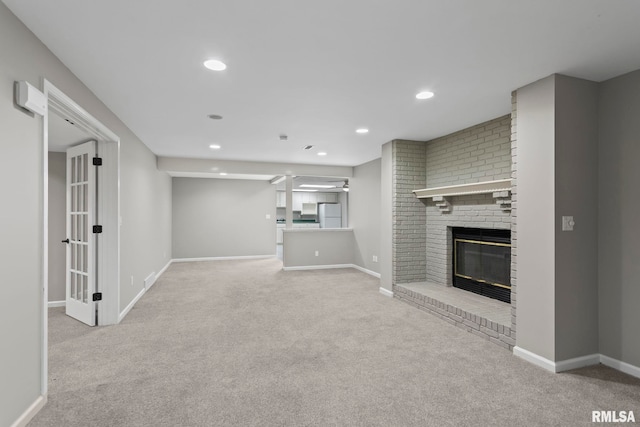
536, 218
223, 218
386, 217
409, 214
557, 305
618, 213
57, 226
365, 212
576, 252
333, 247
146, 234
475, 154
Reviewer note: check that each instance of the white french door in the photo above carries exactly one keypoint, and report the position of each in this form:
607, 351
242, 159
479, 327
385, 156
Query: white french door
81, 247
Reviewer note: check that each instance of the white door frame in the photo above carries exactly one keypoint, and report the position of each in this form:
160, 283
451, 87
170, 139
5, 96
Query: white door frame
108, 212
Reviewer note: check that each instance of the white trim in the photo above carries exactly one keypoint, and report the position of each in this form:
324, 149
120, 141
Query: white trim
386, 292
221, 258
561, 366
332, 266
463, 189
534, 358
364, 270
625, 367
31, 412
131, 304
577, 362
163, 270
317, 267
52, 304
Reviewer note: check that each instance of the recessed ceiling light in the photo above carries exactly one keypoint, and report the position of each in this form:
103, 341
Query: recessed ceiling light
215, 116
424, 95
215, 147
362, 130
215, 65
307, 191
322, 153
223, 174
317, 186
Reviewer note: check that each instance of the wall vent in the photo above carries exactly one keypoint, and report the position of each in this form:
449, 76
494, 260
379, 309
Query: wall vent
150, 280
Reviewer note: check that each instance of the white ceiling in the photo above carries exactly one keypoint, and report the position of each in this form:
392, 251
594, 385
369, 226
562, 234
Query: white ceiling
316, 71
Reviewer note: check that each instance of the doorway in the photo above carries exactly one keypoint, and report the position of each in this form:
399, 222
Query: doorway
63, 111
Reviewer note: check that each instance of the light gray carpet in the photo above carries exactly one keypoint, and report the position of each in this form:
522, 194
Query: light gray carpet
244, 343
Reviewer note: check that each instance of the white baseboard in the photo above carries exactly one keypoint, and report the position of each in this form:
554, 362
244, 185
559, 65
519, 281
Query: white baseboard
535, 359
386, 292
364, 270
52, 304
161, 272
317, 267
578, 362
222, 258
332, 266
31, 411
128, 308
627, 368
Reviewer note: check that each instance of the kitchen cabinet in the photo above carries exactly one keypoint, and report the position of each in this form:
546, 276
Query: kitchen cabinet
281, 199
300, 198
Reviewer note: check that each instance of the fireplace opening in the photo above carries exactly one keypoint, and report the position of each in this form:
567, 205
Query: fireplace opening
482, 262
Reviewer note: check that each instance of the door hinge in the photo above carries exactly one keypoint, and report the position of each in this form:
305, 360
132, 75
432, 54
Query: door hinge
97, 296
97, 229
97, 161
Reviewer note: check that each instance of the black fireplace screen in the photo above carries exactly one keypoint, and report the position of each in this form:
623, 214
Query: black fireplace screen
482, 262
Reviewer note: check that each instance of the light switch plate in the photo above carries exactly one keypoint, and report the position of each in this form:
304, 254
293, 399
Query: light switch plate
567, 223
268, 216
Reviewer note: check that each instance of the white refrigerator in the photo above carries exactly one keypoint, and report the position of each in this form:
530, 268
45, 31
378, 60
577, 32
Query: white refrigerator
330, 215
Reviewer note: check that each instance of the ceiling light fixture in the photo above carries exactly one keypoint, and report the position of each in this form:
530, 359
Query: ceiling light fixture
308, 147
223, 174
317, 186
362, 130
301, 190
215, 65
424, 95
345, 187
215, 147
322, 153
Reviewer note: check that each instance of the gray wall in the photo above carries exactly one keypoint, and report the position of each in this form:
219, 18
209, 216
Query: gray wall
364, 213
386, 217
334, 246
146, 226
619, 210
536, 218
57, 226
223, 217
576, 252
557, 305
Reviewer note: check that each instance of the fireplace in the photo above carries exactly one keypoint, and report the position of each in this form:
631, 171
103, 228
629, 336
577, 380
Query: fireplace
482, 261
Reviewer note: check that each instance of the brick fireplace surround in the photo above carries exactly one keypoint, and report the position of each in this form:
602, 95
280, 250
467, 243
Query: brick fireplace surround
422, 248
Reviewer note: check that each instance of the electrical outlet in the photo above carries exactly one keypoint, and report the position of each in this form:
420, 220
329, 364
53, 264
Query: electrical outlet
317, 253
268, 216
375, 258
567, 223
